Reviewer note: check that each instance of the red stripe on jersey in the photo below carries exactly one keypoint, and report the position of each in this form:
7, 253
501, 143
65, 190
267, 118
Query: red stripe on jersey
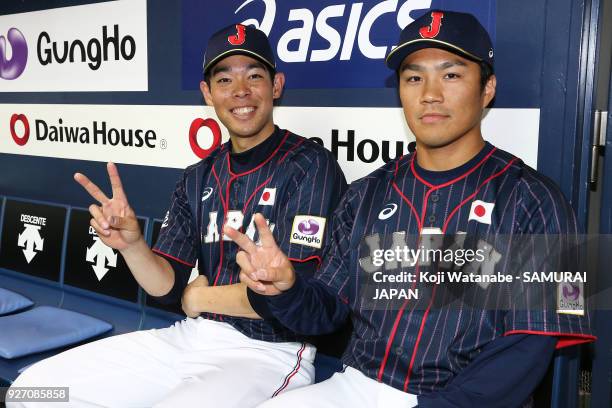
172, 257
260, 165
310, 258
381, 369
225, 208
400, 312
293, 372
565, 339
416, 214
418, 339
259, 187
214, 172
292, 148
448, 183
471, 196
397, 164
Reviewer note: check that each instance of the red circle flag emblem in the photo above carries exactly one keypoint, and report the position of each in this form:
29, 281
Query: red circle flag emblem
26, 125
479, 210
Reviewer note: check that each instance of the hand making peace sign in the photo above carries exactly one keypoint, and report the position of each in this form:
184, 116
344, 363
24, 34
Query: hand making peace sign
115, 222
264, 267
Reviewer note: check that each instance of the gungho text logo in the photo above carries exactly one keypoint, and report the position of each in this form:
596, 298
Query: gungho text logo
13, 67
308, 230
93, 52
213, 127
95, 133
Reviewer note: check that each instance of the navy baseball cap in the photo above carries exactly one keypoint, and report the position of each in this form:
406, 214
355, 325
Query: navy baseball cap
459, 33
238, 39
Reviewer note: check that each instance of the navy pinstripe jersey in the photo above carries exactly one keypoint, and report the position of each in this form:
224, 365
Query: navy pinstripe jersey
295, 189
415, 347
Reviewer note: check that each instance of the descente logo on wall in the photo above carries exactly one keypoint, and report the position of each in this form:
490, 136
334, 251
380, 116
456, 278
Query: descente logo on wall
93, 52
97, 133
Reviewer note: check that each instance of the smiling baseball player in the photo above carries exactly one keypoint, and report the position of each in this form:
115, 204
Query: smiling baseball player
419, 351
213, 360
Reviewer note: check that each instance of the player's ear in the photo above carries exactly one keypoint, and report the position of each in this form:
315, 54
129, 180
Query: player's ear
205, 89
278, 85
489, 91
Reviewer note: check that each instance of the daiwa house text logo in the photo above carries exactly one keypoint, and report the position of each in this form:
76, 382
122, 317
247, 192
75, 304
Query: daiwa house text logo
11, 68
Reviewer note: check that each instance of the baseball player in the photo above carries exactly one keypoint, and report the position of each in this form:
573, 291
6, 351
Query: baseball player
420, 350
212, 359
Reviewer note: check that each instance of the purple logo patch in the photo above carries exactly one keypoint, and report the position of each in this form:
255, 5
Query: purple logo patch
11, 69
571, 292
308, 227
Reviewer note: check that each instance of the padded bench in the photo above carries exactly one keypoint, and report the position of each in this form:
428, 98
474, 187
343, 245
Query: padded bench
65, 279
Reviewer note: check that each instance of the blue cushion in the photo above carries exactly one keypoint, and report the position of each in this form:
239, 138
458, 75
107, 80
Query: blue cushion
45, 328
11, 302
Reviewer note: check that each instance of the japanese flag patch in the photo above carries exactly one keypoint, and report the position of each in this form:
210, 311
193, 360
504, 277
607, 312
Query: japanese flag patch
308, 230
268, 196
481, 211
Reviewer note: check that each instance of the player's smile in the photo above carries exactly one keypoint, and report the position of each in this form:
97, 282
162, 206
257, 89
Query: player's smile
244, 112
242, 93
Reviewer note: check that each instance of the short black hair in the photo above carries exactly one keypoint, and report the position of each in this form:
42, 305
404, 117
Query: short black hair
269, 70
486, 72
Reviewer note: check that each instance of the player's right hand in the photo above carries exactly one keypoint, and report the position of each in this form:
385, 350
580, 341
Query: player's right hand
114, 220
264, 267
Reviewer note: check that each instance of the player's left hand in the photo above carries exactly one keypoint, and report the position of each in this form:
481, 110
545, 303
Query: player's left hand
192, 295
264, 268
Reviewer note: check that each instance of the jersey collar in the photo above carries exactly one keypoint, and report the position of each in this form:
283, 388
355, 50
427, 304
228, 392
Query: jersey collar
249, 159
447, 177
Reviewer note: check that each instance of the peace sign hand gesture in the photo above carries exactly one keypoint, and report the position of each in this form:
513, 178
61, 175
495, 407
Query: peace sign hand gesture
264, 268
114, 221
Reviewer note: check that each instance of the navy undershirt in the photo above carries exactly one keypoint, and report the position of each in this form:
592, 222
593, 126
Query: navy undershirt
253, 157
441, 177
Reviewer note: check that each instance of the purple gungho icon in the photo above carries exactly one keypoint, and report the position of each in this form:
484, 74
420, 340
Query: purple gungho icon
11, 69
572, 293
308, 227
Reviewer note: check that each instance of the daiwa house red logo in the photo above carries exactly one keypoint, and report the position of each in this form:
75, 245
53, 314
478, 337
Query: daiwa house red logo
196, 125
20, 137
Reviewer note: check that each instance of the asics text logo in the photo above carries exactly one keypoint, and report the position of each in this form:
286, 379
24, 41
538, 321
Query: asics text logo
345, 27
11, 69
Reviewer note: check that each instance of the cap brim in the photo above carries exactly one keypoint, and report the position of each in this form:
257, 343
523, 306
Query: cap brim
238, 51
397, 55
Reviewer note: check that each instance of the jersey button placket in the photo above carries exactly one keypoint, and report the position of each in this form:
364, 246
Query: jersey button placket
235, 194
